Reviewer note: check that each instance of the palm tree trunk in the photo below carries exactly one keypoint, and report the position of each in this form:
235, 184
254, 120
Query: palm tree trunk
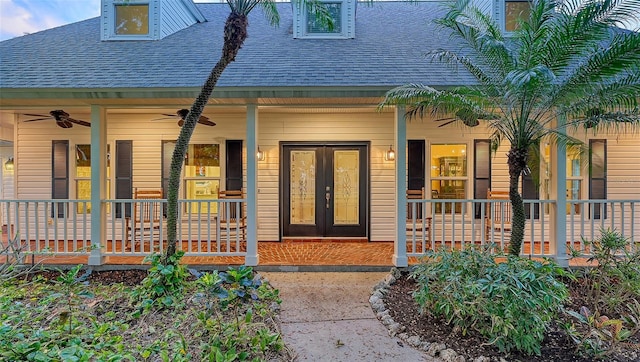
235, 33
517, 160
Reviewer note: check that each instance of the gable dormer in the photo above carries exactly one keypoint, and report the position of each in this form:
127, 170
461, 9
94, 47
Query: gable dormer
146, 19
343, 13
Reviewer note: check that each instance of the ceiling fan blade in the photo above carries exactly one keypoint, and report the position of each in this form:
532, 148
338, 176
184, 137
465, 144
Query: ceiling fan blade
37, 119
79, 121
164, 118
64, 124
35, 115
444, 119
206, 122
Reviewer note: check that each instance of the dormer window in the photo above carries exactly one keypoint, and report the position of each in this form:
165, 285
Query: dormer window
146, 19
513, 11
342, 12
131, 19
315, 26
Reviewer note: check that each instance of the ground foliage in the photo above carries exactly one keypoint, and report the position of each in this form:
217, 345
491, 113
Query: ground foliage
79, 316
599, 321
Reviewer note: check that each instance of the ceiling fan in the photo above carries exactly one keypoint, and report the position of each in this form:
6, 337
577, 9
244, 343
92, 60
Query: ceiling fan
182, 113
62, 119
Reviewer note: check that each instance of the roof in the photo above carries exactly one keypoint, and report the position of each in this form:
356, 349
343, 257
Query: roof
391, 40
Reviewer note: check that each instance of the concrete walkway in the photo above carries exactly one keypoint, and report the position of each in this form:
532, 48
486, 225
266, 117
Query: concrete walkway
327, 317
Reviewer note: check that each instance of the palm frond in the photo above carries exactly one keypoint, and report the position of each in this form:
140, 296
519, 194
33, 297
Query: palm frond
424, 100
270, 12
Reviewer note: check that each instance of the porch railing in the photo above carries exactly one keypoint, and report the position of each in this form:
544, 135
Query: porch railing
63, 227
454, 224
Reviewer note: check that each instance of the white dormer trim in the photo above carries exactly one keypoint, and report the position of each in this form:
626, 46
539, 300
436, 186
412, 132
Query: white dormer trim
347, 26
165, 18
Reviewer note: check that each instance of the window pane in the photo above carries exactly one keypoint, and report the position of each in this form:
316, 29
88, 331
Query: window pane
515, 10
316, 26
449, 160
303, 187
202, 170
346, 171
203, 191
132, 20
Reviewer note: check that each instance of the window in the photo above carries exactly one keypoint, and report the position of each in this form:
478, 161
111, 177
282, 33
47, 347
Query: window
449, 173
131, 19
316, 26
201, 174
306, 24
83, 177
514, 10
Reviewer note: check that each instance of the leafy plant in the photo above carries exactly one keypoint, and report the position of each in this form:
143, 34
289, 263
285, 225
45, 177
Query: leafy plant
72, 288
164, 285
510, 303
564, 65
597, 335
614, 280
241, 292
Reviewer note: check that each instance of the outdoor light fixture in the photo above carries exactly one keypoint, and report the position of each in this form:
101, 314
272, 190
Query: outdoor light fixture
260, 154
9, 164
390, 154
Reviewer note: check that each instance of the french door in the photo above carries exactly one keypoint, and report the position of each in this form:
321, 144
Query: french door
325, 189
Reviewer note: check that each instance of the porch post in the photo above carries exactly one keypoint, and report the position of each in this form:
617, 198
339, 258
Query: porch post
400, 139
98, 184
251, 259
558, 214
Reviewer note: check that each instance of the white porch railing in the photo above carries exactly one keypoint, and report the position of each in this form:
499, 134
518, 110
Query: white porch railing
63, 227
453, 224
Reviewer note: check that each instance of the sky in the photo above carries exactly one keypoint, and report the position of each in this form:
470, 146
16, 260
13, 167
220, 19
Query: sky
20, 17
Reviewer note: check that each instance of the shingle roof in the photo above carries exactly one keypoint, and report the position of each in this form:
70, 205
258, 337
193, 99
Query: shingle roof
391, 39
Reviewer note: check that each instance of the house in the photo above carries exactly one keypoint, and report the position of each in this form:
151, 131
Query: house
93, 111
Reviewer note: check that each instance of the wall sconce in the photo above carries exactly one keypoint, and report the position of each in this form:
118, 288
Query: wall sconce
390, 154
260, 154
9, 164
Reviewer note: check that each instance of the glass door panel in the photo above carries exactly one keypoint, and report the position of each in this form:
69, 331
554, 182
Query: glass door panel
346, 174
302, 191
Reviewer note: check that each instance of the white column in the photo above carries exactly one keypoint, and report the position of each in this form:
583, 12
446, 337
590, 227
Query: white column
98, 184
251, 259
400, 139
558, 213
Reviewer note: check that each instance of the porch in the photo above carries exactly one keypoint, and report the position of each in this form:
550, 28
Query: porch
59, 232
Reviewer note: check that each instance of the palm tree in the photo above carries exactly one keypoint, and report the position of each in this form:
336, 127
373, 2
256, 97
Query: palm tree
567, 63
235, 33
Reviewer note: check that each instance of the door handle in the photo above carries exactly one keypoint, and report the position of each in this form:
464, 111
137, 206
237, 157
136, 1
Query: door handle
327, 195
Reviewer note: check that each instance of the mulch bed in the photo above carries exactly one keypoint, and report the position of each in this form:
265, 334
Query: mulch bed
404, 310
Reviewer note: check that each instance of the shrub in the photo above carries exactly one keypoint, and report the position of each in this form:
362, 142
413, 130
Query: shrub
510, 303
614, 281
611, 288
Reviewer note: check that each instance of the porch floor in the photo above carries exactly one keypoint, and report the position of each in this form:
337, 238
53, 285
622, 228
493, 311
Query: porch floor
347, 254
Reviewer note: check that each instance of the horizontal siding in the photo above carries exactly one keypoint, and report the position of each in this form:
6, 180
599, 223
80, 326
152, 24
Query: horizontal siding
33, 176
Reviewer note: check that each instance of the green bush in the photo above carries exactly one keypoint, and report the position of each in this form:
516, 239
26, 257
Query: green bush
611, 288
509, 302
614, 281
